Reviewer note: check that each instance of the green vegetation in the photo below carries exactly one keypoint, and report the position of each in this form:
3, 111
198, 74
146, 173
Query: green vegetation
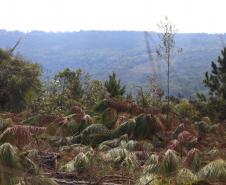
216, 83
114, 87
76, 130
215, 170
20, 83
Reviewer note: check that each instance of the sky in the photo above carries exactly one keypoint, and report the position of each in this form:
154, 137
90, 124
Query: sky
139, 15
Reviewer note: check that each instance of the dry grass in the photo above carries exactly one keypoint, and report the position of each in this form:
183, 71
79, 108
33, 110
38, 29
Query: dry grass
20, 135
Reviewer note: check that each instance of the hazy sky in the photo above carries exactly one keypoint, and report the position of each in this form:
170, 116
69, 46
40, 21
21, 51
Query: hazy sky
73, 15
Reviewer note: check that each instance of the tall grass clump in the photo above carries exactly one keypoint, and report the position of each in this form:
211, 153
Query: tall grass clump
170, 162
214, 171
185, 177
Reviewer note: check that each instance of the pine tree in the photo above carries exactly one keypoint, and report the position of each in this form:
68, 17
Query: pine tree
216, 81
113, 86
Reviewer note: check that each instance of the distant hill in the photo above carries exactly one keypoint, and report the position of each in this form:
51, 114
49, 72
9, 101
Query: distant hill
101, 52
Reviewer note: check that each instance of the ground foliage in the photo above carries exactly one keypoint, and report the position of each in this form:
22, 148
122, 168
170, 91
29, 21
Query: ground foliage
144, 149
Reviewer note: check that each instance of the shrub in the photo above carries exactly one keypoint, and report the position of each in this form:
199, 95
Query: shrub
18, 73
185, 109
202, 126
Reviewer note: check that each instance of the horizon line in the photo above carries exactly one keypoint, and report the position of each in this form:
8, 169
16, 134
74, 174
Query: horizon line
101, 30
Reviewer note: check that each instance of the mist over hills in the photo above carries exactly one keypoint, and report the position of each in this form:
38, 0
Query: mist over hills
101, 52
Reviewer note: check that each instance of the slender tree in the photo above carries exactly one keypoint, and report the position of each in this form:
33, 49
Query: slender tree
167, 44
167, 48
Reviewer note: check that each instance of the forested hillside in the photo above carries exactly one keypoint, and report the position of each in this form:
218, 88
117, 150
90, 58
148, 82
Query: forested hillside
101, 52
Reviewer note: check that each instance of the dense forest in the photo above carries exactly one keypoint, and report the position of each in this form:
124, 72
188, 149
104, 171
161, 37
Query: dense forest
101, 52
